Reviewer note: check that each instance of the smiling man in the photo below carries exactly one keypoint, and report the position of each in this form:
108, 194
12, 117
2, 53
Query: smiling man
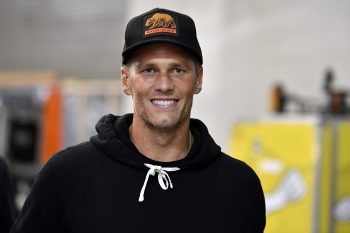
162, 79
108, 184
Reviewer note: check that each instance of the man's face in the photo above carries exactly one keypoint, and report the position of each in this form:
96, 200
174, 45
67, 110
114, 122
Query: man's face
162, 79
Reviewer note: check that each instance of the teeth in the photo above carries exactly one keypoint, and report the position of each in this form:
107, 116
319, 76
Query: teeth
163, 103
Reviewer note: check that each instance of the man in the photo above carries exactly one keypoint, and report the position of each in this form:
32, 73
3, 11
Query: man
108, 184
7, 205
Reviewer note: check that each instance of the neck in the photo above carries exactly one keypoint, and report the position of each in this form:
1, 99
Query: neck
161, 146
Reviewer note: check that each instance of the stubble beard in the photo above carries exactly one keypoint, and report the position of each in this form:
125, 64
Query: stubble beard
166, 127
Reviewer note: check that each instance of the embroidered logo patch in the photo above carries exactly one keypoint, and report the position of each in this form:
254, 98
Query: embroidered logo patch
160, 23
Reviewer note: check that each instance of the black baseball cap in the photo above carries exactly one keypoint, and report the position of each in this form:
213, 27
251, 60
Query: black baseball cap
161, 25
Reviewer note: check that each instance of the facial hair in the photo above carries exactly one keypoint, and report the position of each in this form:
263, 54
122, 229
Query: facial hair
150, 123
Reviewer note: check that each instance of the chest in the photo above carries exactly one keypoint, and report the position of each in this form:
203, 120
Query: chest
197, 202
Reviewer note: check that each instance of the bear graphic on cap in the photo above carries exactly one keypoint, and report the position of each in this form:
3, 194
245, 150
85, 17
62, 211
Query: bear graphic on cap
160, 20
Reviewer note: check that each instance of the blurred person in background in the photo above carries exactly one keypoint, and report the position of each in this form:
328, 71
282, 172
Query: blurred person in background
7, 205
108, 184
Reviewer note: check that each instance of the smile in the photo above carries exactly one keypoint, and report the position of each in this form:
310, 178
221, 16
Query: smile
163, 103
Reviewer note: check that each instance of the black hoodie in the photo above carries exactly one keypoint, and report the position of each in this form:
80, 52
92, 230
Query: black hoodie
7, 204
95, 187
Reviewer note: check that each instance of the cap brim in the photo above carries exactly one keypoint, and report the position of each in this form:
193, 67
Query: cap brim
126, 53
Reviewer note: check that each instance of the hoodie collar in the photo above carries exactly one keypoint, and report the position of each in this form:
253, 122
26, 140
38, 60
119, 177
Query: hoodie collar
114, 140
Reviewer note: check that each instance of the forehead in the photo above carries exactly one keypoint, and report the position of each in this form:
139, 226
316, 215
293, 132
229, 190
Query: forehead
163, 51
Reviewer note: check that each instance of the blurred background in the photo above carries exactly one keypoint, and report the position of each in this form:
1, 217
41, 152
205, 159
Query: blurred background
275, 92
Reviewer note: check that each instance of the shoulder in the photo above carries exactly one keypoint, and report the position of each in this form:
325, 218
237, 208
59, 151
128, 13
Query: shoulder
233, 163
73, 153
62, 166
232, 167
70, 158
240, 175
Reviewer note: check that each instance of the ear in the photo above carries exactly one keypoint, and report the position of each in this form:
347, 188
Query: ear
125, 80
198, 84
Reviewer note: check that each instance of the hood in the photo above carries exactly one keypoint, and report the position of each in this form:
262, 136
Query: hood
114, 140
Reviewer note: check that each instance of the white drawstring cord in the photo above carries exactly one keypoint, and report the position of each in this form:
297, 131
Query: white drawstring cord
163, 177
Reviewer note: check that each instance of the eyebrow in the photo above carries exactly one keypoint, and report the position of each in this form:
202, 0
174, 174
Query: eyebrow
151, 64
139, 65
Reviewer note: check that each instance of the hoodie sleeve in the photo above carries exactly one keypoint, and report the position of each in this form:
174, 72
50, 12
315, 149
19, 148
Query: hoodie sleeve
43, 209
256, 217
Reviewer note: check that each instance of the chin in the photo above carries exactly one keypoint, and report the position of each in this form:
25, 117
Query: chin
164, 125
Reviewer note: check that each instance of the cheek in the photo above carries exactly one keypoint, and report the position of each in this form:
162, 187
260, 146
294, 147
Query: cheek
191, 90
132, 87
138, 92
186, 86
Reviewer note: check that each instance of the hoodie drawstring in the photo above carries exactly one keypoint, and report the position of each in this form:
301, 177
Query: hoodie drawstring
163, 177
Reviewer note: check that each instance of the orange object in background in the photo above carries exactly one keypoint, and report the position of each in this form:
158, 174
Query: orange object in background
277, 99
32, 98
51, 125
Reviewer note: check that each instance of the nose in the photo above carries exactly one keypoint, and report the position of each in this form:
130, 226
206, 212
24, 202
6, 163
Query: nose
164, 82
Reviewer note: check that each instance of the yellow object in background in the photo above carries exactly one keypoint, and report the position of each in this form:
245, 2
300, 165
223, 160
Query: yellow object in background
304, 170
342, 182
